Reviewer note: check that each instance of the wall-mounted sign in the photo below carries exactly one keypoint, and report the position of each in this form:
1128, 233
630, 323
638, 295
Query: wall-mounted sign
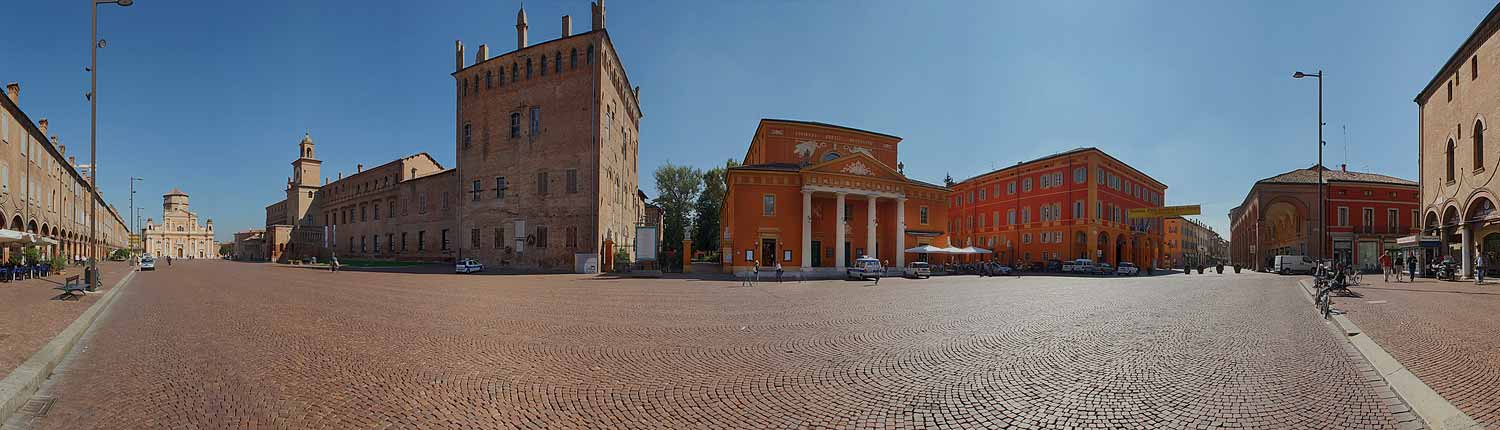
1165, 211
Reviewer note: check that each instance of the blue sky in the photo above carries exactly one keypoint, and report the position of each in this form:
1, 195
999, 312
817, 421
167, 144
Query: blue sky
212, 96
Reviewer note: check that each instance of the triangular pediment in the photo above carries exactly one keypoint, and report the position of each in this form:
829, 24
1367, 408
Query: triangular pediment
857, 164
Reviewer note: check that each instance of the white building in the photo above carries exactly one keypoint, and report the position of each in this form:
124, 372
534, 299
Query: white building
179, 235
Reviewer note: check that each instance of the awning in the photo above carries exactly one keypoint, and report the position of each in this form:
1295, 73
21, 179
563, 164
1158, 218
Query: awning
953, 250
1415, 241
47, 240
973, 250
16, 237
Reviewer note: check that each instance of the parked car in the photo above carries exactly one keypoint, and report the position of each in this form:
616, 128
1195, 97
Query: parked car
1082, 265
865, 268
917, 269
1104, 269
997, 269
1127, 269
1053, 266
148, 263
1292, 264
468, 265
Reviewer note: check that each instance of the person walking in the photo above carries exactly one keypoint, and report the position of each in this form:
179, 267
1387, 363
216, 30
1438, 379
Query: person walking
778, 272
1385, 267
754, 271
1479, 268
1411, 269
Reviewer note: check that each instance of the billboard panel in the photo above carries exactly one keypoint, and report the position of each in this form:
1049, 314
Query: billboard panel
645, 243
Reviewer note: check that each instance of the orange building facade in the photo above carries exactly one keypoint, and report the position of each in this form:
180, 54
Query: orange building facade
814, 196
1060, 207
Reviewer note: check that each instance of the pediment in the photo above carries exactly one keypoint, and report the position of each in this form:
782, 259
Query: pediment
857, 164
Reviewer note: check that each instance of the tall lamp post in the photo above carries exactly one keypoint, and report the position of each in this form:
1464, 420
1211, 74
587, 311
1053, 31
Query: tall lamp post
93, 96
1322, 203
132, 206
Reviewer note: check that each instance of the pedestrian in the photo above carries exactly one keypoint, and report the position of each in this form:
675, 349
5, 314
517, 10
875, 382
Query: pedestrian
778, 272
1385, 266
754, 271
1479, 268
333, 263
1411, 269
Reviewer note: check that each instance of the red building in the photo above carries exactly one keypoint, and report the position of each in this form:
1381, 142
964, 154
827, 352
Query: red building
1060, 207
1366, 213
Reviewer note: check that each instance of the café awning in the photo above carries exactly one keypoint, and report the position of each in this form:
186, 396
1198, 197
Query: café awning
16, 237
925, 249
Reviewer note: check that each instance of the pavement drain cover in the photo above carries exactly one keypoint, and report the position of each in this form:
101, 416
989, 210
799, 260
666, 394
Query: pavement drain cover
38, 406
1376, 302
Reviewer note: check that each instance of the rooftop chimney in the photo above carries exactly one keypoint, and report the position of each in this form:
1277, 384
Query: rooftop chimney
341, 176
359, 168
483, 54
567, 26
13, 90
521, 29
458, 55
1344, 167
72, 162
598, 11
42, 125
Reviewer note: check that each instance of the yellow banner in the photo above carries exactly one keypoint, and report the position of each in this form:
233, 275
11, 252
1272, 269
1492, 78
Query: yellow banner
1163, 212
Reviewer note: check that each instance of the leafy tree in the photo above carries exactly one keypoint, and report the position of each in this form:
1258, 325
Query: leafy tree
707, 210
677, 188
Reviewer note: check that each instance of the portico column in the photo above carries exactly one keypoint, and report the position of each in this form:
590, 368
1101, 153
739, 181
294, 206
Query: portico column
838, 237
1468, 250
900, 232
870, 228
806, 229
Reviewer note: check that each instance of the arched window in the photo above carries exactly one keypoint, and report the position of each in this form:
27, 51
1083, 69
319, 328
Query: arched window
1449, 156
528, 68
1478, 145
501, 75
590, 58
543, 65
513, 72
573, 59
557, 62
489, 79
468, 134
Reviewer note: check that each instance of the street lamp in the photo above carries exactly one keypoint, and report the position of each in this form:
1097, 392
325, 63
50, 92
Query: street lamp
93, 97
132, 200
1322, 203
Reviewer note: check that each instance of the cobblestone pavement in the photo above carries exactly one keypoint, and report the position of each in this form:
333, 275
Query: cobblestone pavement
237, 345
29, 317
1445, 332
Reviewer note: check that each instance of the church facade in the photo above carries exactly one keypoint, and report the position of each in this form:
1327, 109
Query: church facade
179, 235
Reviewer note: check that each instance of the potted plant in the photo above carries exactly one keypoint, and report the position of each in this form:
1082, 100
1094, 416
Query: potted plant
59, 264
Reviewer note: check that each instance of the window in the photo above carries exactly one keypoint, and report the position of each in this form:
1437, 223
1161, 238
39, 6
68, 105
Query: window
489, 79
572, 186
515, 125
4, 127
1391, 221
1474, 67
571, 241
375, 243
541, 183
1449, 161
1046, 181
982, 194
1010, 188
390, 245
590, 58
528, 68
1026, 238
922, 215
1078, 209
573, 59
377, 211
557, 62
474, 191
1026, 215
768, 205
468, 135
1026, 185
1450, 90
541, 237
499, 238
362, 217
1010, 217
444, 240
513, 77
361, 243
1343, 216
500, 187
1098, 210
1478, 146
403, 241
536, 120
473, 238
543, 62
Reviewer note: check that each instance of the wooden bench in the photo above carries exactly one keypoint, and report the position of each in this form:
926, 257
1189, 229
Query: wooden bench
72, 288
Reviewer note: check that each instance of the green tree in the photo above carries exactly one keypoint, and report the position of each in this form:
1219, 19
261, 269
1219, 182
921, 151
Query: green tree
677, 189
709, 207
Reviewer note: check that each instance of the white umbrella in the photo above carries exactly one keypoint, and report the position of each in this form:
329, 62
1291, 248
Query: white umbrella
973, 250
12, 236
954, 250
925, 249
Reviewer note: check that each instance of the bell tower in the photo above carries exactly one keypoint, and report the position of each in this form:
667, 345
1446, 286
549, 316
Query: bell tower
302, 186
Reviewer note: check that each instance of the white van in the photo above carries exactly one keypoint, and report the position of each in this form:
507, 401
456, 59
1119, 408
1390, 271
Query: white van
1290, 264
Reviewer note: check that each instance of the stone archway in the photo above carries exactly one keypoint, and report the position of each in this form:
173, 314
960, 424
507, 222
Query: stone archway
1103, 252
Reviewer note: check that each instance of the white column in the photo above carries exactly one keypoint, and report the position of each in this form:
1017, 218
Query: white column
806, 229
870, 228
1468, 251
900, 231
838, 239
